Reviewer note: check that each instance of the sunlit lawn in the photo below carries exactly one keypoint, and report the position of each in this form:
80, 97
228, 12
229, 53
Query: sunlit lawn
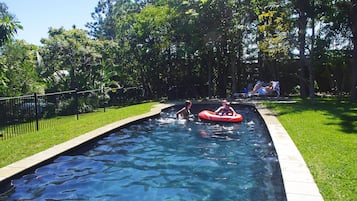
326, 135
63, 129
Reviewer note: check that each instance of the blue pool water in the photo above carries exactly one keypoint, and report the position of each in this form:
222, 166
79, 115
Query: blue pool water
165, 159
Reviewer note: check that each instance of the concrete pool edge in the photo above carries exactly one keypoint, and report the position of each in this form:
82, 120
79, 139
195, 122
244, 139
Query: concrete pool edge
298, 181
299, 184
17, 168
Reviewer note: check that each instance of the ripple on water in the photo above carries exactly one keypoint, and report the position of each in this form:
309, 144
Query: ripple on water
165, 159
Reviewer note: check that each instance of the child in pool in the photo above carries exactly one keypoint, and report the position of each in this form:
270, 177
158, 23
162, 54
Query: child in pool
185, 111
225, 109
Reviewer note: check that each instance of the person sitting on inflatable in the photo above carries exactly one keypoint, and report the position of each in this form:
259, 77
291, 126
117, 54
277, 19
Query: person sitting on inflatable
225, 109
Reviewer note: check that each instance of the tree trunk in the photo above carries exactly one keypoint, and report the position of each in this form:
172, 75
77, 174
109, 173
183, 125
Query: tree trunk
311, 64
302, 22
234, 69
354, 63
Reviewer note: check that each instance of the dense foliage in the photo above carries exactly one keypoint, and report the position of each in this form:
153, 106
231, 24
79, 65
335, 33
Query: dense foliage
192, 48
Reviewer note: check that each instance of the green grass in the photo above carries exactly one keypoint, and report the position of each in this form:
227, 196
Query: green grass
326, 135
65, 128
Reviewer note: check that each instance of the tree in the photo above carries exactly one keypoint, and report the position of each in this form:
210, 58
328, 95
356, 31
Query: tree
110, 18
303, 9
8, 26
221, 43
150, 37
72, 53
336, 20
214, 42
18, 62
353, 15
273, 36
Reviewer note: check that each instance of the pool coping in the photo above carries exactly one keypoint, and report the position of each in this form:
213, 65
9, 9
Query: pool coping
298, 181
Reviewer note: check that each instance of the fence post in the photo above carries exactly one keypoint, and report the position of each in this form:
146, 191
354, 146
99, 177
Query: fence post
77, 103
103, 99
36, 110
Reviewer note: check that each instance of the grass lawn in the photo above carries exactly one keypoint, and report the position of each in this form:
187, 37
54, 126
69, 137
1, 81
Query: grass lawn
326, 135
65, 128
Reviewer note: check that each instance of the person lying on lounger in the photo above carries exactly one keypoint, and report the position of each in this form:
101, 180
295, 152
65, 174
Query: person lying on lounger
262, 90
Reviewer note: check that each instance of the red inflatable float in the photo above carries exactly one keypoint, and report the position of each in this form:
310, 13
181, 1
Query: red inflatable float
212, 116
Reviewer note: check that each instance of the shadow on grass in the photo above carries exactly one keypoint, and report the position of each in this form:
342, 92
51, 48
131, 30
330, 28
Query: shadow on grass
333, 108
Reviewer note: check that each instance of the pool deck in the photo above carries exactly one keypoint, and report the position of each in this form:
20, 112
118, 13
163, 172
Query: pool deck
298, 181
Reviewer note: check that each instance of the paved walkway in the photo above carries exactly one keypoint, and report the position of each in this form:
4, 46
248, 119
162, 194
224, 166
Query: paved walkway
298, 181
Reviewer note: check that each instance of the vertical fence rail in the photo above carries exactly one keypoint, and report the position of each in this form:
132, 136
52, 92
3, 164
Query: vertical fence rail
76, 103
26, 114
36, 110
16, 116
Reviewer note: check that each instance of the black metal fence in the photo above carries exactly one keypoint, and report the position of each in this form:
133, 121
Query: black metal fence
25, 114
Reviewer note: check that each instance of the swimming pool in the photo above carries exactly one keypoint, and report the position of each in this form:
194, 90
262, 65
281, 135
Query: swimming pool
166, 159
